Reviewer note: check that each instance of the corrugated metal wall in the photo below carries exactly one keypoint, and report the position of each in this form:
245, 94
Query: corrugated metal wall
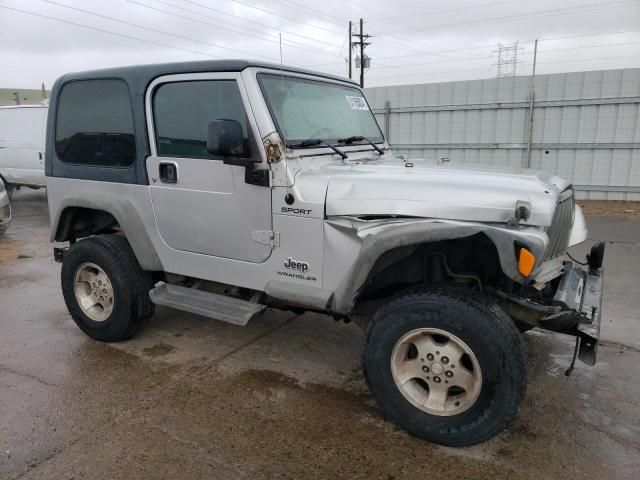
586, 125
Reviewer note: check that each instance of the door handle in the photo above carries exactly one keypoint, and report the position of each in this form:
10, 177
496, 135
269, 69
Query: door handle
168, 172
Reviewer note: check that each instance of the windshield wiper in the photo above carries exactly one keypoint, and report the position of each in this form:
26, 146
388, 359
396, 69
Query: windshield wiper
316, 141
359, 138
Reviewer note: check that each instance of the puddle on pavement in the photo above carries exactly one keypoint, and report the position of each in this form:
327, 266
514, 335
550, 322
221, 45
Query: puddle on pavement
158, 350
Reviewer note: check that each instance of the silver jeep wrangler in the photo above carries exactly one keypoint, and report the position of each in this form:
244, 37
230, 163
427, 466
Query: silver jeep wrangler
223, 188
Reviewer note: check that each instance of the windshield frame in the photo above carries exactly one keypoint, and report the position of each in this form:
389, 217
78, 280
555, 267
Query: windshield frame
379, 140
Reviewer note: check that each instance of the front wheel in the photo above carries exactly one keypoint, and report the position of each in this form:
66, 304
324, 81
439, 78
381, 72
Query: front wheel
105, 289
447, 365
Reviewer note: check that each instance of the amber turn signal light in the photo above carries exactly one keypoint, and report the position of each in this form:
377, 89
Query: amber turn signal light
526, 262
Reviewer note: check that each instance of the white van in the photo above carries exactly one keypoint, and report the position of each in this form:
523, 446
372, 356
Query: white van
22, 134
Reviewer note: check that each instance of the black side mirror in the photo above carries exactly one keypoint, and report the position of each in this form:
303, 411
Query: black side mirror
224, 138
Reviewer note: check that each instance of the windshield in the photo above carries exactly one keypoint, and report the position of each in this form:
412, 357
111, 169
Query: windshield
310, 109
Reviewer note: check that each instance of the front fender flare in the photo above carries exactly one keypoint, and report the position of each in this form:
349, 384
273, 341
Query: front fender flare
394, 235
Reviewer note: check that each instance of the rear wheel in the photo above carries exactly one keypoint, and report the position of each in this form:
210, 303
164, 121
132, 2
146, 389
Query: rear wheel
106, 291
447, 365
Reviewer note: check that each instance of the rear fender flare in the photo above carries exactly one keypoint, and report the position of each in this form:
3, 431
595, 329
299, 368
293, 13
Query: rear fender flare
127, 217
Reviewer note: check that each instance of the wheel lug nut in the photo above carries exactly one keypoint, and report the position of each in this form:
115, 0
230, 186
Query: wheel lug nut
430, 356
445, 360
425, 368
437, 379
448, 373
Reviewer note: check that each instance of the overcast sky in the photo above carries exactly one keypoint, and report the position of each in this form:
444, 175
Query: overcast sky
413, 41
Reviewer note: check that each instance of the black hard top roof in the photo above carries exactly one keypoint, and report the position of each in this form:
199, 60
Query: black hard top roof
139, 76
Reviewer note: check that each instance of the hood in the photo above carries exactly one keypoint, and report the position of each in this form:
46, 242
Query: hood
469, 193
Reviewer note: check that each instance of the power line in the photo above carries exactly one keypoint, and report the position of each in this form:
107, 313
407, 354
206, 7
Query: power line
108, 32
508, 18
492, 45
201, 5
488, 57
451, 10
403, 67
299, 6
124, 22
317, 13
485, 58
487, 69
244, 33
282, 16
399, 43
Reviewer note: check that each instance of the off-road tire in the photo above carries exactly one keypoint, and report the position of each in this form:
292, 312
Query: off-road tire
132, 305
485, 328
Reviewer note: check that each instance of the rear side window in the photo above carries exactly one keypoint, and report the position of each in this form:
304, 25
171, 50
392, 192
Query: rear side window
94, 124
183, 110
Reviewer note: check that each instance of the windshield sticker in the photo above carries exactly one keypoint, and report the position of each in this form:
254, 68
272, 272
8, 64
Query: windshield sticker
357, 103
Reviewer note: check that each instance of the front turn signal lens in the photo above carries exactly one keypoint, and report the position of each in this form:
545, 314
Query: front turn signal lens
526, 262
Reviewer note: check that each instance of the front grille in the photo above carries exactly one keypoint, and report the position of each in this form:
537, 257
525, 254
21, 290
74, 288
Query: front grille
561, 225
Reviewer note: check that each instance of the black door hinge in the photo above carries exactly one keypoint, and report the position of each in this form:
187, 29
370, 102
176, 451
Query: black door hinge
257, 177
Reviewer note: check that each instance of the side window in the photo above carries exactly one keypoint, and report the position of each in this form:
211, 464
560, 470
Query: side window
182, 112
94, 124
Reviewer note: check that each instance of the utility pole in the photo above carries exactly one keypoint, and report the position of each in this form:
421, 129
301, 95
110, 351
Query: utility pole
350, 46
365, 62
532, 80
361, 56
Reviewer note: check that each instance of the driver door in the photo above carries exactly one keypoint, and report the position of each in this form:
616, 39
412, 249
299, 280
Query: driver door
201, 204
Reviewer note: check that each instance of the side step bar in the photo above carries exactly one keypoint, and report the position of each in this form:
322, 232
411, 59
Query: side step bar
212, 305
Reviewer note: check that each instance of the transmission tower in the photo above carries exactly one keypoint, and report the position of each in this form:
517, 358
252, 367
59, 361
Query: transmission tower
507, 59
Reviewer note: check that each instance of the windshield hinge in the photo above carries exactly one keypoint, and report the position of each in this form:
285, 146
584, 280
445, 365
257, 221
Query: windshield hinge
266, 237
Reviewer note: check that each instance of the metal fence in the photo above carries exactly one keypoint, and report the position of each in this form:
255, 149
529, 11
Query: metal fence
17, 96
584, 126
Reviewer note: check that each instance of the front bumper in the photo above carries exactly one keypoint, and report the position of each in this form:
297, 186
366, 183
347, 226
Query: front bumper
580, 295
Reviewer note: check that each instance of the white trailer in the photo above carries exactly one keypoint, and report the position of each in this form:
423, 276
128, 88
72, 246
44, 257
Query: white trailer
22, 138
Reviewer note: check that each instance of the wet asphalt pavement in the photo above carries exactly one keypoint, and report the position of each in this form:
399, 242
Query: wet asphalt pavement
283, 397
